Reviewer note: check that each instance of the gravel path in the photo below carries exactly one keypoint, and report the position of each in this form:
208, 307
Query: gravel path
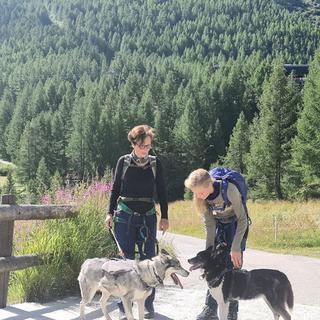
176, 304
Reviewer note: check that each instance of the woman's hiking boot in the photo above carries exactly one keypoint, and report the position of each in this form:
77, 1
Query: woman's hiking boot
208, 313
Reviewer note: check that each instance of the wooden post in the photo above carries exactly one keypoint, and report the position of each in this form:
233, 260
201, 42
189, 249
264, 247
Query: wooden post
275, 221
6, 239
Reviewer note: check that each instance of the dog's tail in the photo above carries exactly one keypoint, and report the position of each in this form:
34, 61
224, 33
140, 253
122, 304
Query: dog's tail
290, 298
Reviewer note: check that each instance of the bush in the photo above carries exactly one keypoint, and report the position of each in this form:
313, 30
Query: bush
70, 242
5, 167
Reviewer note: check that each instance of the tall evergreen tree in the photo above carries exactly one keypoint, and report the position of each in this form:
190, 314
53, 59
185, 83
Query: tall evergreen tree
306, 150
9, 187
269, 150
92, 137
6, 111
59, 141
42, 178
17, 124
29, 153
56, 183
189, 141
76, 146
238, 145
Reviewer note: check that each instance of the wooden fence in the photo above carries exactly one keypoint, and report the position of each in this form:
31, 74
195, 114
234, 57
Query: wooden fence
9, 212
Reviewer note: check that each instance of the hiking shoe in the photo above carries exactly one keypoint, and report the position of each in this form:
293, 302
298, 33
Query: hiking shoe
149, 315
208, 314
122, 316
233, 316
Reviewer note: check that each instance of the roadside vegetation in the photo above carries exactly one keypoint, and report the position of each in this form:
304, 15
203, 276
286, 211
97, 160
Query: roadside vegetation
277, 226
69, 242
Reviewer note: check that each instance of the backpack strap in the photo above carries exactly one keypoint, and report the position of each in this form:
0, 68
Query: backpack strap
224, 192
153, 164
126, 165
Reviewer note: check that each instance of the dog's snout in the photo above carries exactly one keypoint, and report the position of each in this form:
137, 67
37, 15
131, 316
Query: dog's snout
191, 260
184, 272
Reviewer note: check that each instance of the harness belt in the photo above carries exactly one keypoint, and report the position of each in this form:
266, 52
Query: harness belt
143, 229
123, 207
151, 200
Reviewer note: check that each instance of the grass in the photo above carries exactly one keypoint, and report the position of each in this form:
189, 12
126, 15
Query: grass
69, 241
286, 227
277, 226
3, 181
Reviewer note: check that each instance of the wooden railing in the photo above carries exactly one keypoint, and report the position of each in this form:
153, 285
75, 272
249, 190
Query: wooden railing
9, 212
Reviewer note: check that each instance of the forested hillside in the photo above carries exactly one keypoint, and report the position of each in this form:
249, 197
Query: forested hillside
76, 75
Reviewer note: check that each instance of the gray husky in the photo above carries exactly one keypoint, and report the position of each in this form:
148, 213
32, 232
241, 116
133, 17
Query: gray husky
129, 280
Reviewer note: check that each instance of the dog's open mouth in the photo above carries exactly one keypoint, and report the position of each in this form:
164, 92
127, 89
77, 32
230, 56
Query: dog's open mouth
176, 280
195, 266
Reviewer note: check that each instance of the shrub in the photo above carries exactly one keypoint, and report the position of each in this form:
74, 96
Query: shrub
69, 242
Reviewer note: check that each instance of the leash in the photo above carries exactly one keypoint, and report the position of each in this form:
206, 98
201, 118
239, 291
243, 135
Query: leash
143, 230
216, 279
113, 236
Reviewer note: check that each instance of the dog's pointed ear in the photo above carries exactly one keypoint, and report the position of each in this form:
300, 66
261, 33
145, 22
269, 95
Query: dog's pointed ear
211, 248
163, 251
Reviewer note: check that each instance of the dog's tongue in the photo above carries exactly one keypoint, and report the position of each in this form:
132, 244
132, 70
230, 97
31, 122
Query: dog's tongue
176, 280
194, 267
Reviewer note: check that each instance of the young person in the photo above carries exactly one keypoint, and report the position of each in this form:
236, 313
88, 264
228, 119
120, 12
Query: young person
132, 205
223, 223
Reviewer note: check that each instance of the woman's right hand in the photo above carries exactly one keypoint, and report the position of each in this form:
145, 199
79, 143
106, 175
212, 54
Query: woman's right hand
109, 221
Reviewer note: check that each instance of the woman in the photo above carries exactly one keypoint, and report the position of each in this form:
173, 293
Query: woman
132, 205
228, 224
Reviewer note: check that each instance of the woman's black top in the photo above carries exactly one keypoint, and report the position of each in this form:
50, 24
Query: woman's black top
139, 182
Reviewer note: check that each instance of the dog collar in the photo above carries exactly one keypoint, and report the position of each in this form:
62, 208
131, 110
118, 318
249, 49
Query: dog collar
217, 279
152, 270
157, 276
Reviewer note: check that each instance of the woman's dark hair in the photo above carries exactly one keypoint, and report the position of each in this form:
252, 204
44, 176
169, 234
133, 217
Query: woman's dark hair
138, 134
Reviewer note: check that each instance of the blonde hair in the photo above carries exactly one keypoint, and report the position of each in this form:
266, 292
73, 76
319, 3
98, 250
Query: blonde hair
199, 178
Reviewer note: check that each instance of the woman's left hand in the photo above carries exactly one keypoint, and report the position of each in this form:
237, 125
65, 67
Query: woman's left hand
163, 225
236, 258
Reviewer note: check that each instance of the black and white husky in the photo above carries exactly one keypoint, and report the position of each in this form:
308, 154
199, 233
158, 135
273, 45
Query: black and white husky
227, 284
129, 280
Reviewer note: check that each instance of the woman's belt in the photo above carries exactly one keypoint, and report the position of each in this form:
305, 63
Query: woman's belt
123, 207
137, 199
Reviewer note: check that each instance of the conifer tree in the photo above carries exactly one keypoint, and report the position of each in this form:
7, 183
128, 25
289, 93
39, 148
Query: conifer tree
271, 134
92, 137
17, 125
29, 153
42, 177
76, 147
164, 148
59, 141
238, 145
107, 142
6, 110
56, 182
189, 138
9, 187
306, 150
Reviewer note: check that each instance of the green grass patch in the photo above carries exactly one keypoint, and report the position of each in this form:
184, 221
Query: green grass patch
71, 242
277, 226
5, 166
3, 181
284, 227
